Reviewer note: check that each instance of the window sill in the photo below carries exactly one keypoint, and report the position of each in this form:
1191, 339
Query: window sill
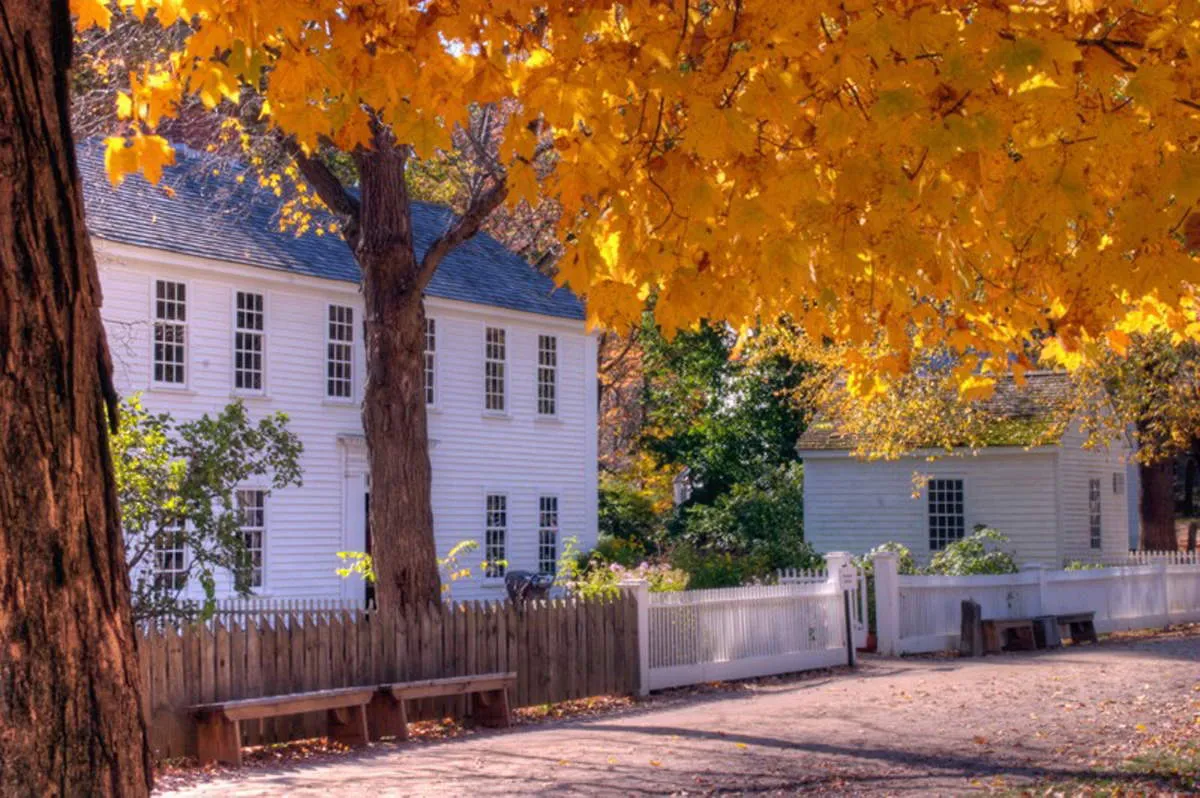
181, 390
497, 415
555, 419
345, 403
247, 395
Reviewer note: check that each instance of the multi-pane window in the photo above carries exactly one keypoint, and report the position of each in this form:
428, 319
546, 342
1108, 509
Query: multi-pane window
339, 353
494, 354
495, 535
170, 557
947, 522
547, 534
170, 332
1094, 513
547, 375
252, 504
248, 331
430, 361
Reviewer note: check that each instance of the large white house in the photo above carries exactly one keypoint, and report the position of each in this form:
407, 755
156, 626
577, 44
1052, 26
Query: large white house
207, 301
1057, 502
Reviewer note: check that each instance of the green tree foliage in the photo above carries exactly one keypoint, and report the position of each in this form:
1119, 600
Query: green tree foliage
627, 513
725, 415
177, 484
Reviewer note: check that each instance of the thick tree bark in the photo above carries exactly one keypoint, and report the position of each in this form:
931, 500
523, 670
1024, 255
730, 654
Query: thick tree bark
1157, 506
394, 416
70, 718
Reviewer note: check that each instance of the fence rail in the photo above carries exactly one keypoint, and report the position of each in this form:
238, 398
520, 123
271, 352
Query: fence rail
561, 650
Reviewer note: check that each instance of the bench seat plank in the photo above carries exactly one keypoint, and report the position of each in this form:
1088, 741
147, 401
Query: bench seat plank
455, 685
290, 704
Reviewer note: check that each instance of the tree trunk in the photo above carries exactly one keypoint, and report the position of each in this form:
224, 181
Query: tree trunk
70, 718
394, 415
1157, 506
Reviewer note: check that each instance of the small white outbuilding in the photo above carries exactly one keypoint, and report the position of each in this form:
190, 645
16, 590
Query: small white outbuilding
1055, 502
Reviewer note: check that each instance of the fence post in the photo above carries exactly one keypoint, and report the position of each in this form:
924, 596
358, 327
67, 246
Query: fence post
1161, 572
887, 602
1040, 569
640, 590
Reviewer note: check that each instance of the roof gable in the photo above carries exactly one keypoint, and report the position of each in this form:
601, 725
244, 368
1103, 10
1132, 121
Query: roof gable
214, 215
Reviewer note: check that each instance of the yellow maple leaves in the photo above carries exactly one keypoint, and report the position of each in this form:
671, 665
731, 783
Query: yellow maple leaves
869, 170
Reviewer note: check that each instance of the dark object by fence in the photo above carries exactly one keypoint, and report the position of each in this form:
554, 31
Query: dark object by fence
1080, 625
1045, 632
971, 636
526, 585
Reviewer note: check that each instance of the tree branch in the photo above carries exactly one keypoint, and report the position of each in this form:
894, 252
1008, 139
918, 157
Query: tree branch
328, 187
463, 228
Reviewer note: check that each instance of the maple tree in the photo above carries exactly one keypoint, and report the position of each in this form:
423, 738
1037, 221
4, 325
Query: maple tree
903, 175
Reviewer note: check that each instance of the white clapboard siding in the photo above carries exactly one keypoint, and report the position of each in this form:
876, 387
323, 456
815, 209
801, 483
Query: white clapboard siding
520, 455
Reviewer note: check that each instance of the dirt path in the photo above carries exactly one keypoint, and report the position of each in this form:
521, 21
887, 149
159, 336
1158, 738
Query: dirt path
896, 726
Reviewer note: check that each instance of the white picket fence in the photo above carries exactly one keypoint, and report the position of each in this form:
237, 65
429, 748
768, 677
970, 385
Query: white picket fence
923, 613
1153, 558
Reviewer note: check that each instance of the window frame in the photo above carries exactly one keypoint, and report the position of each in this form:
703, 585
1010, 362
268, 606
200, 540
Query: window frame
430, 362
179, 575
262, 337
504, 411
930, 515
554, 529
497, 573
1095, 514
262, 530
353, 359
185, 326
540, 369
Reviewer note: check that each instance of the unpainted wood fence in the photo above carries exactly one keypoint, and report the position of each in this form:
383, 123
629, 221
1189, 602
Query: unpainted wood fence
560, 650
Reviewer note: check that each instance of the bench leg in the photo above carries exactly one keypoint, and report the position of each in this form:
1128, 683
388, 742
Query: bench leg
491, 709
387, 717
348, 725
219, 739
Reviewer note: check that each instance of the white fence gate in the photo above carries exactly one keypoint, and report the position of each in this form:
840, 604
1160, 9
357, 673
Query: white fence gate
858, 596
924, 613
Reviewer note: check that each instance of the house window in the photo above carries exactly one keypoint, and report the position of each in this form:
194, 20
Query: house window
494, 354
252, 504
170, 557
170, 332
946, 520
496, 535
339, 353
430, 361
548, 534
1094, 513
547, 375
1118, 483
248, 326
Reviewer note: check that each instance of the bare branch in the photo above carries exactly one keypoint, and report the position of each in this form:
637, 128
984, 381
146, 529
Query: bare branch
463, 228
328, 187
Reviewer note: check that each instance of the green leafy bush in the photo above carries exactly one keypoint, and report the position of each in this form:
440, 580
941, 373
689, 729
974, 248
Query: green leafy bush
627, 552
1077, 565
978, 553
907, 564
626, 513
600, 579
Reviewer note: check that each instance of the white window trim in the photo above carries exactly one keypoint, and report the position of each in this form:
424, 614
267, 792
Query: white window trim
557, 530
965, 512
508, 527
437, 376
340, 400
537, 376
260, 590
236, 391
189, 297
507, 361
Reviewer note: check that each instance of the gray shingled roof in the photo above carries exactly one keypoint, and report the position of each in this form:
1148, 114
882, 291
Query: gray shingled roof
1016, 415
211, 215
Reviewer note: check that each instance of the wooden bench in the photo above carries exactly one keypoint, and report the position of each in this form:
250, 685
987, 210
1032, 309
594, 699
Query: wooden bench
1080, 626
388, 717
1009, 634
219, 731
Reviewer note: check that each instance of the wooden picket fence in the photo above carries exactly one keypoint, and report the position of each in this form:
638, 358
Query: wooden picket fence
560, 650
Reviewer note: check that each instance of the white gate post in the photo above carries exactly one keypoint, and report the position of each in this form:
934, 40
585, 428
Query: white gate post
640, 590
1040, 569
834, 561
887, 602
